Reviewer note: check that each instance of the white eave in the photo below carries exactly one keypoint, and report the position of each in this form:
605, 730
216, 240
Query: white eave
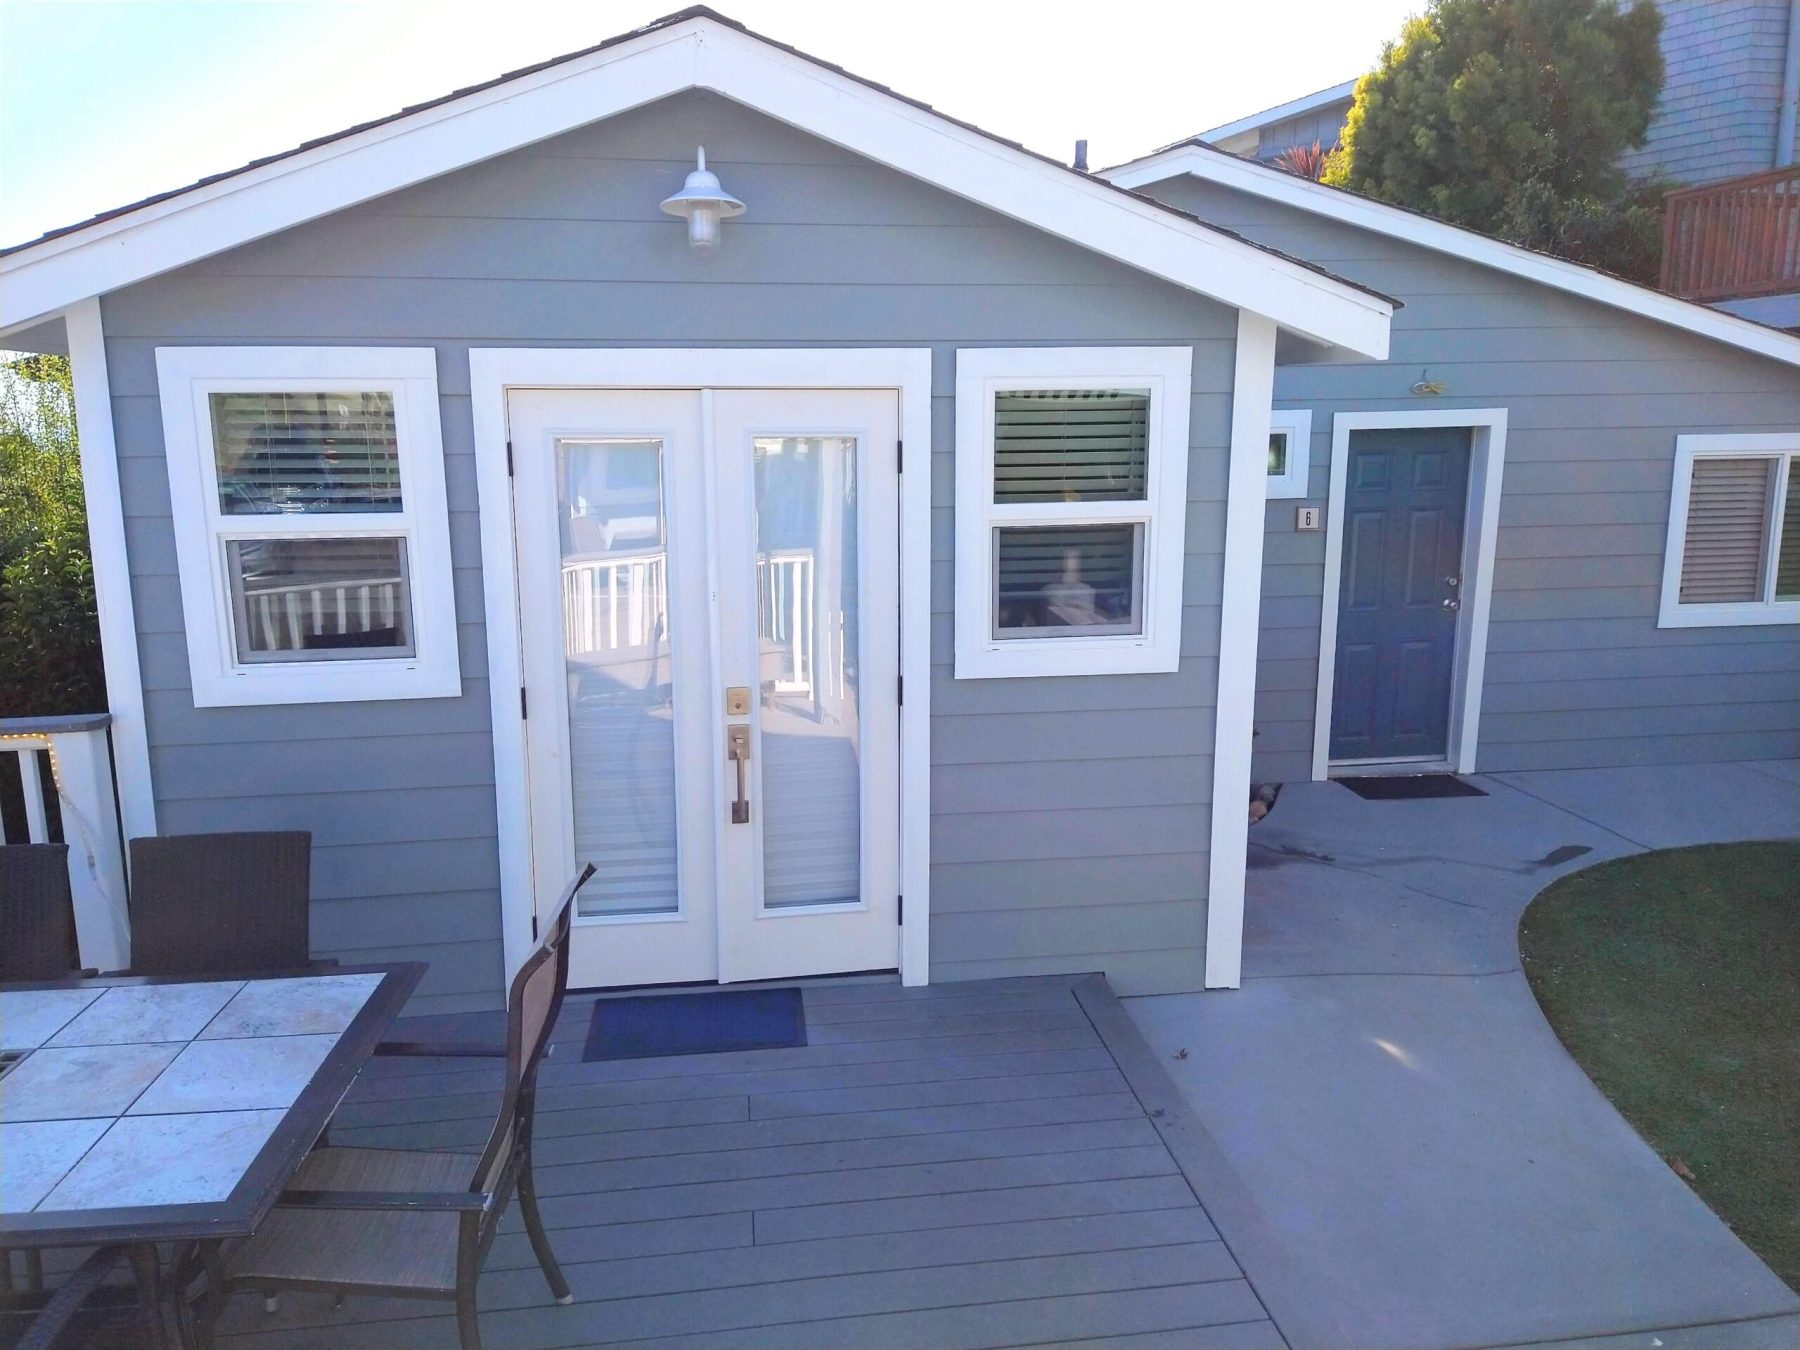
693, 50
1242, 175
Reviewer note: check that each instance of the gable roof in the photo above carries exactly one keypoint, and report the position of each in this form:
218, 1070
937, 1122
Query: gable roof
1197, 158
1294, 107
693, 49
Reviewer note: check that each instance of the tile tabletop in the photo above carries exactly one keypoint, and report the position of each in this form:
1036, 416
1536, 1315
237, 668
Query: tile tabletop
157, 1093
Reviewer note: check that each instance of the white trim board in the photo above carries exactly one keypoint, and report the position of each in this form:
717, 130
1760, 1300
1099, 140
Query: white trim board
112, 567
1253, 385
1259, 180
492, 371
1481, 533
1671, 613
697, 52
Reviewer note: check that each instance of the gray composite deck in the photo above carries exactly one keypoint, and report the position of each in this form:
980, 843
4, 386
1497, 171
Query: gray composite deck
958, 1166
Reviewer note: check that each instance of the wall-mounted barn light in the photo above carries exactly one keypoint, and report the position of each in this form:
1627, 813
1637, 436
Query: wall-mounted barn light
705, 203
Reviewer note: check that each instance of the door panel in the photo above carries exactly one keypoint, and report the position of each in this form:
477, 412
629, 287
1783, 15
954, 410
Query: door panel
679, 551
1400, 591
610, 510
802, 560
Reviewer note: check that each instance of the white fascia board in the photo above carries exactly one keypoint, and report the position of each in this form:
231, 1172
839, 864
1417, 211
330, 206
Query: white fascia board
697, 54
296, 188
1272, 184
1139, 233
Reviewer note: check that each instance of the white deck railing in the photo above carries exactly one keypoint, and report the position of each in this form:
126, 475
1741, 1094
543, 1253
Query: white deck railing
284, 616
620, 602
74, 750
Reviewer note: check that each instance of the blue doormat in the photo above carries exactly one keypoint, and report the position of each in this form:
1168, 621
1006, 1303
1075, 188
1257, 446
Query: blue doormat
696, 1024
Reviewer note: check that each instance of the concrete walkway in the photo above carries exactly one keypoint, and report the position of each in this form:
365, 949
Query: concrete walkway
1405, 1155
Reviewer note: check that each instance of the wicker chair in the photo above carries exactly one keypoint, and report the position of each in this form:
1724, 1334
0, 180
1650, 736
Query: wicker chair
221, 904
406, 1224
37, 914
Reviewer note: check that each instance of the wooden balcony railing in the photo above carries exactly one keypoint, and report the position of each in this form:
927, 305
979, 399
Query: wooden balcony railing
1733, 240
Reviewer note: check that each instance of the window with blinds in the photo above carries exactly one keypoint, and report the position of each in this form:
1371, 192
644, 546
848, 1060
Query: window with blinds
1071, 494
1068, 448
1727, 531
1734, 531
282, 453
1071, 445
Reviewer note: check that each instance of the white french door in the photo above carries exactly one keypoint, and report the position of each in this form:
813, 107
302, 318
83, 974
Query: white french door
708, 591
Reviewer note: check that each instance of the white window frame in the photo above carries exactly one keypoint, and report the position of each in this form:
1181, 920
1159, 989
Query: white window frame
1779, 446
186, 378
1296, 423
981, 373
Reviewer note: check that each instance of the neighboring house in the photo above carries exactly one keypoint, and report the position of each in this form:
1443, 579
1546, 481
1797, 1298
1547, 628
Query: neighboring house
1730, 85
447, 502
1724, 129
1730, 90
1317, 118
1561, 521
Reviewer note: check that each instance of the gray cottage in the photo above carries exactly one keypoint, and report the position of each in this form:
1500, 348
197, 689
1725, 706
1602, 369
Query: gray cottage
874, 546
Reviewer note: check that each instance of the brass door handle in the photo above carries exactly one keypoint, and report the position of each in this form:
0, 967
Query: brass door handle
737, 748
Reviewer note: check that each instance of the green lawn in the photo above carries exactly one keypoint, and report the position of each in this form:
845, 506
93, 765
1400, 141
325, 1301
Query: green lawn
1674, 979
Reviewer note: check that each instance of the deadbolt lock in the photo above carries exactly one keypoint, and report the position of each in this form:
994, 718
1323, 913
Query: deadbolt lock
737, 701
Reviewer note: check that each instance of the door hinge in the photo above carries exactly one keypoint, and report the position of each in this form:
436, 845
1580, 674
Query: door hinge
900, 690
900, 910
899, 456
523, 711
534, 935
509, 466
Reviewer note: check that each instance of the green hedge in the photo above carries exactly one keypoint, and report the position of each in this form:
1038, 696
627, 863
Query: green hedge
49, 635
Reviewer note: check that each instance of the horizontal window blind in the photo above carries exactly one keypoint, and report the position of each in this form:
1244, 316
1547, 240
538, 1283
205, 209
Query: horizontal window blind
1787, 568
306, 453
1727, 524
1071, 445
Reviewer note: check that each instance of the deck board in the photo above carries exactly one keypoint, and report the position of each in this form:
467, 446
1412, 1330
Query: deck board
954, 1166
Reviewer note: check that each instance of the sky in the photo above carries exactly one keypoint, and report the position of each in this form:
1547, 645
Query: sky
103, 102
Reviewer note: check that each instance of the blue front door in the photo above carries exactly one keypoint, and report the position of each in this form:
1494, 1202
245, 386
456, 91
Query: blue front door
1400, 591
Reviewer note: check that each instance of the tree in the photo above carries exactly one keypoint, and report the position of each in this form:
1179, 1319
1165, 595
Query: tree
49, 632
1509, 117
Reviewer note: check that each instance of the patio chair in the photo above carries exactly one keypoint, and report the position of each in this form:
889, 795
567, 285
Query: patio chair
221, 904
37, 913
402, 1224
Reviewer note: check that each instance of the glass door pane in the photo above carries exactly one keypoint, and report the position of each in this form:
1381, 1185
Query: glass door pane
619, 665
807, 638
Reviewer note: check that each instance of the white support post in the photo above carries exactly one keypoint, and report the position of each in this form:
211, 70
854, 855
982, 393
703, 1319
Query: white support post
112, 571
96, 857
1252, 393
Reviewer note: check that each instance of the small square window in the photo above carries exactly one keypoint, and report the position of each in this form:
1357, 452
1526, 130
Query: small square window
1290, 447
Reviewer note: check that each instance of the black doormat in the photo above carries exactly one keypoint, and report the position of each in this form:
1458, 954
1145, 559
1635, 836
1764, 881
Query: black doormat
703, 1023
1410, 787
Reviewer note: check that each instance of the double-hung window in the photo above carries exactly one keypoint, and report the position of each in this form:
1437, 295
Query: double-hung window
1733, 549
1071, 490
311, 530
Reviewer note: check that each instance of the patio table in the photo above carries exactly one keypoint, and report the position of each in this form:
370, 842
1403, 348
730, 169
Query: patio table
163, 1109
